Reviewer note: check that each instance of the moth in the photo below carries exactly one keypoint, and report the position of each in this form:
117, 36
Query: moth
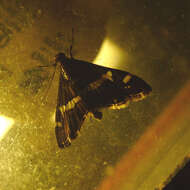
85, 89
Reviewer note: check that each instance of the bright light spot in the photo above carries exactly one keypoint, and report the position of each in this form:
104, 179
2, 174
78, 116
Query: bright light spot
53, 117
110, 55
5, 125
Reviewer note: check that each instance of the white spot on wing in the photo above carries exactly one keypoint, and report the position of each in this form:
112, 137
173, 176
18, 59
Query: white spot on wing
127, 78
139, 96
94, 85
108, 76
119, 105
70, 105
64, 74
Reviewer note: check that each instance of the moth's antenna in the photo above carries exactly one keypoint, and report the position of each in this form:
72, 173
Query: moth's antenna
53, 65
50, 81
72, 41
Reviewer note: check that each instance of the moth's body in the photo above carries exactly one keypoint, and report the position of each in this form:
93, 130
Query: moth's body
87, 88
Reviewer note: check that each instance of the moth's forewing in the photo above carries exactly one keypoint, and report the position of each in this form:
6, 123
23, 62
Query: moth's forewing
61, 130
85, 87
70, 112
102, 87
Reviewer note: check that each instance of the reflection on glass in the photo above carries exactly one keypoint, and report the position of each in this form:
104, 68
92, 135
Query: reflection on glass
110, 54
5, 124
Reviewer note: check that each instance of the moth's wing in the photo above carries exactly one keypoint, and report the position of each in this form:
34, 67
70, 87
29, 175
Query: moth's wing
85, 73
128, 87
107, 87
70, 113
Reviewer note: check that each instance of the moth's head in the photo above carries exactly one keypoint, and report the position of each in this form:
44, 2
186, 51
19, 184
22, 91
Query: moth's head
60, 57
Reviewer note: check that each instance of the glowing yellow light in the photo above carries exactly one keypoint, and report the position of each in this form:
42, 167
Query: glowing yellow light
110, 55
53, 117
5, 125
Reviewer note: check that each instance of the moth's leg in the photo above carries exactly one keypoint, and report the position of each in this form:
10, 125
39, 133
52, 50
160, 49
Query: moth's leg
97, 114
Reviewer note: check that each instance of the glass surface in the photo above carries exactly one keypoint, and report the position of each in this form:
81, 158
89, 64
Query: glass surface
147, 38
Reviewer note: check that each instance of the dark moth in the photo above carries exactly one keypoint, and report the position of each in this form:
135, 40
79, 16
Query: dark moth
86, 88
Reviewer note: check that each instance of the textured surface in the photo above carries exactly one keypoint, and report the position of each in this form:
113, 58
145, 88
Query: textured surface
154, 41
